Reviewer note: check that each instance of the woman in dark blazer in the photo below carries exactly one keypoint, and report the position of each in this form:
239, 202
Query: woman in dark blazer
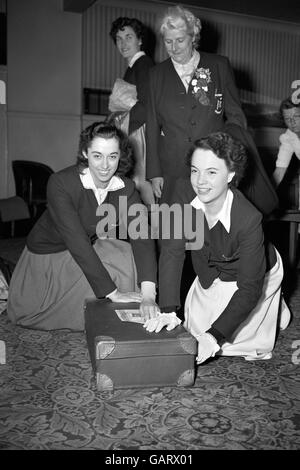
129, 35
79, 247
232, 307
191, 95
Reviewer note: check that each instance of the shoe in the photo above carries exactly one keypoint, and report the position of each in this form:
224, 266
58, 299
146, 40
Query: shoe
284, 315
262, 357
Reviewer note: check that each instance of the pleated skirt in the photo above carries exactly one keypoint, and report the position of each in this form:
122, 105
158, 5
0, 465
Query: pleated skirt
255, 337
48, 291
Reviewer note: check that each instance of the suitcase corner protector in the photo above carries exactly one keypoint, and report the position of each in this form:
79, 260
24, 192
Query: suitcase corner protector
187, 378
104, 383
104, 346
188, 343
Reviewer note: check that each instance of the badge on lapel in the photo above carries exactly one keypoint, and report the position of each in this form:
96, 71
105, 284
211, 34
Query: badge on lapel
199, 84
219, 102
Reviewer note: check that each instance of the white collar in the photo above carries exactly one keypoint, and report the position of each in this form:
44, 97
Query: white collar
224, 215
190, 65
293, 135
135, 58
100, 193
186, 71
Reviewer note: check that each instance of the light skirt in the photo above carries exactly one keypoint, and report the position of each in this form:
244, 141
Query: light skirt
48, 292
137, 140
255, 337
138, 143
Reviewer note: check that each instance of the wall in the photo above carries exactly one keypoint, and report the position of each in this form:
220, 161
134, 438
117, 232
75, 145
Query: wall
264, 53
43, 83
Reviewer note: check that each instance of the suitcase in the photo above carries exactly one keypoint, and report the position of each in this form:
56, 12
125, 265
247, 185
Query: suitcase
125, 355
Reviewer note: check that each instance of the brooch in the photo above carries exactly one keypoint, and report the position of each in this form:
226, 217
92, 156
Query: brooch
200, 85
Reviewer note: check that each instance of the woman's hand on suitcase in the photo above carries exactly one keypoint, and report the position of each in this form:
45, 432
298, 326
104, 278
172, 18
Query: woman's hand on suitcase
149, 308
207, 347
125, 297
168, 320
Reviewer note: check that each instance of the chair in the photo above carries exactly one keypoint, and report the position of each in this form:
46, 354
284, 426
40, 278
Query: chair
293, 217
31, 180
10, 252
13, 209
289, 211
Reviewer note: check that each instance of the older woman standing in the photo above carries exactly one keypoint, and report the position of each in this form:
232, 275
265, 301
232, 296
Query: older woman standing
191, 95
73, 251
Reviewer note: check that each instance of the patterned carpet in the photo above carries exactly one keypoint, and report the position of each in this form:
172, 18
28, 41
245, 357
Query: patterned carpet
49, 399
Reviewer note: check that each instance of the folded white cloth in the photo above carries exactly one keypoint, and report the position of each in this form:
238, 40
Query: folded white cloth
123, 96
170, 320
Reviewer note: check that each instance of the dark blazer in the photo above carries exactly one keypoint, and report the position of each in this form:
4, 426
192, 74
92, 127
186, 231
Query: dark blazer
70, 221
239, 255
175, 118
256, 185
138, 75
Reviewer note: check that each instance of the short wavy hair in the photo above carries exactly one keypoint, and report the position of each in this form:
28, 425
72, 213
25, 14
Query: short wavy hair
173, 18
287, 103
225, 147
106, 131
120, 23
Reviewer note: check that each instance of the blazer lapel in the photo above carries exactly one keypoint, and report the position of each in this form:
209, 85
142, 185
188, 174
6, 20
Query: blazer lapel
173, 75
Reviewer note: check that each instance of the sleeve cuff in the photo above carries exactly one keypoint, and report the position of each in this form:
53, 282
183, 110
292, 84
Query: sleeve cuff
148, 289
169, 309
108, 295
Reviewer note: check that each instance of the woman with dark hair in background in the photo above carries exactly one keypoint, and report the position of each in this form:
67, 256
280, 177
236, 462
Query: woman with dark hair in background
73, 251
129, 95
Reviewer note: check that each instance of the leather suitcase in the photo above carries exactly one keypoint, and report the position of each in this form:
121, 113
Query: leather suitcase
125, 355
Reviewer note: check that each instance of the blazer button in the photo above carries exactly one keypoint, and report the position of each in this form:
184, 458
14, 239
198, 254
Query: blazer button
193, 123
189, 139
